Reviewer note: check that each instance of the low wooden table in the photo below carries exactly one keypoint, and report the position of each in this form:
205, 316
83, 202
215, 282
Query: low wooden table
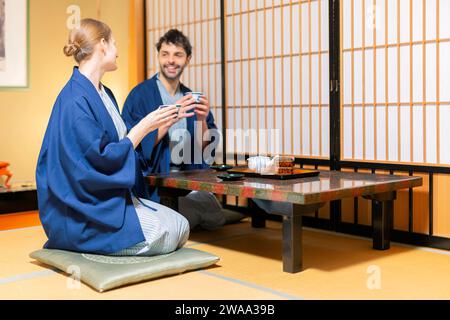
306, 195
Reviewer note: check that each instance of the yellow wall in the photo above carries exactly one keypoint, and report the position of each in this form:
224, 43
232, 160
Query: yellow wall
24, 113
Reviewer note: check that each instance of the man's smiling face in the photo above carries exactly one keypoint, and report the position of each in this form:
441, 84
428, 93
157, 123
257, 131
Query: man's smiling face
172, 60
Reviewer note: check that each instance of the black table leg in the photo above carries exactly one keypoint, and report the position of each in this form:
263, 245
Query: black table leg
382, 219
257, 214
292, 244
292, 237
170, 201
169, 197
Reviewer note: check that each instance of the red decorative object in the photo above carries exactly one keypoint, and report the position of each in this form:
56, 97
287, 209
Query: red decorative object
5, 172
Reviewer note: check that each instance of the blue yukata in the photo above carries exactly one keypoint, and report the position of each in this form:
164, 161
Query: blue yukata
91, 192
200, 208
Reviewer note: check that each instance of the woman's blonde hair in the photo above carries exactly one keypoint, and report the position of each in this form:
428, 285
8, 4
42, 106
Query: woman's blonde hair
83, 39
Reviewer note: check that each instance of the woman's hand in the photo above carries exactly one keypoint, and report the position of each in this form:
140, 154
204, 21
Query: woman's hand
187, 105
159, 118
151, 122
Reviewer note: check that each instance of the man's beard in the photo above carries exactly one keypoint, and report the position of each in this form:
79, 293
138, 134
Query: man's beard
170, 77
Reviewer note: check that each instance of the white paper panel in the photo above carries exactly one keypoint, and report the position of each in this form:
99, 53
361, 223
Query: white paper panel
370, 16
444, 21
305, 80
380, 22
393, 75
444, 132
245, 84
287, 130
392, 22
405, 71
431, 13
347, 130
277, 82
380, 76
270, 82
444, 69
417, 72
295, 34
296, 80
430, 75
369, 133
369, 72
315, 122
296, 128
404, 21
405, 134
417, 11
324, 24
306, 124
358, 83
381, 133
393, 134
261, 35
305, 27
325, 131
418, 150
287, 69
358, 132
431, 135
357, 24
346, 23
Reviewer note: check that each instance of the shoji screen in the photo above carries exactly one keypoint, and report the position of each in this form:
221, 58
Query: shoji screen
395, 66
200, 21
277, 77
396, 101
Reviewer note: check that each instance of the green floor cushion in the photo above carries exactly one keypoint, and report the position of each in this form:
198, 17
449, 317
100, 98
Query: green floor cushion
107, 272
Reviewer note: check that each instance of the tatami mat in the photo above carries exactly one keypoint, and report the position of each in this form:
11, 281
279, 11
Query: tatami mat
336, 267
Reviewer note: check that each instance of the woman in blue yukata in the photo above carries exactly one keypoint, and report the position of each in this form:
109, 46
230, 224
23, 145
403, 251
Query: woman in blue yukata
90, 186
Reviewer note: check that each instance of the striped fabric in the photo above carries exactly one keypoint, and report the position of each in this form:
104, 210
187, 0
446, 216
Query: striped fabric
165, 230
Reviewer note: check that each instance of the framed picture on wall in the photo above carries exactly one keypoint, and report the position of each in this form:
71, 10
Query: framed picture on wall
13, 44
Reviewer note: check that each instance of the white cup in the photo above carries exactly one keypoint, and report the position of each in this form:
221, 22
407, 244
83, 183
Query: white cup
196, 96
170, 105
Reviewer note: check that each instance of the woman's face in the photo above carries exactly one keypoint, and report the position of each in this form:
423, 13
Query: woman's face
110, 54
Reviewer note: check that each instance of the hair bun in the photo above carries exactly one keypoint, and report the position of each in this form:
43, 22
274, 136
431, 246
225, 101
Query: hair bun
71, 49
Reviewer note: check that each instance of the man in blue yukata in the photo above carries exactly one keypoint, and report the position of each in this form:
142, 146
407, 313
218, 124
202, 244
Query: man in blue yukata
178, 145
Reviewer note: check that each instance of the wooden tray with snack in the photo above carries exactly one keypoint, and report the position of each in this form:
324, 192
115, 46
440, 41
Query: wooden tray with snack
295, 173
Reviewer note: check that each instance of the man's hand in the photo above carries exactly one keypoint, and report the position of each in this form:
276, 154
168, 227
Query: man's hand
202, 109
